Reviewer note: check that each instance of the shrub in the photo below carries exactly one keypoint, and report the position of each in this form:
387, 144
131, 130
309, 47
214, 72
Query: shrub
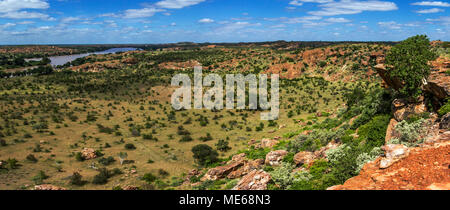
79, 157
130, 147
102, 177
282, 175
374, 132
76, 179
39, 178
3, 143
204, 154
106, 161
410, 132
12, 163
31, 158
364, 158
444, 109
186, 138
222, 145
149, 178
409, 62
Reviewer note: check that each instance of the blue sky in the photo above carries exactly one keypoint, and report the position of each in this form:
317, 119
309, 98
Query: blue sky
168, 21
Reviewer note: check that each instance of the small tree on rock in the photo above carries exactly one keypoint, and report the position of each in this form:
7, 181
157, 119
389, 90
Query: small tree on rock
409, 63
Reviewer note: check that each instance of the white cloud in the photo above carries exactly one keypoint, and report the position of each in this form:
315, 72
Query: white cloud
348, 7
391, 25
432, 3
206, 20
141, 13
337, 20
428, 11
296, 3
177, 4
14, 9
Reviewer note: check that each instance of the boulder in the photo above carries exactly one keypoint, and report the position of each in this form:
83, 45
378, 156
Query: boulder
393, 153
445, 122
221, 171
88, 154
402, 109
390, 133
274, 158
322, 152
130, 188
304, 158
248, 167
255, 180
268, 143
237, 158
47, 187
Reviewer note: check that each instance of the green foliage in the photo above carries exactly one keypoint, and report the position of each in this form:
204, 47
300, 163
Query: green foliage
130, 146
409, 132
102, 176
106, 161
149, 178
282, 175
76, 179
444, 109
204, 154
259, 153
39, 178
32, 158
222, 145
408, 62
374, 132
364, 158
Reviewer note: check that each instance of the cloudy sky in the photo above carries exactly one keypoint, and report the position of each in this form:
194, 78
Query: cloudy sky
168, 21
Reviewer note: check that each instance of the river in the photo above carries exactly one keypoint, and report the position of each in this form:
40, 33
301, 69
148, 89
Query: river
61, 60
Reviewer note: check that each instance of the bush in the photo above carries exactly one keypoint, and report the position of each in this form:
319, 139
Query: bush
39, 178
3, 143
31, 158
444, 109
204, 154
374, 132
102, 177
130, 147
79, 157
149, 178
409, 132
222, 145
76, 179
364, 158
106, 161
282, 175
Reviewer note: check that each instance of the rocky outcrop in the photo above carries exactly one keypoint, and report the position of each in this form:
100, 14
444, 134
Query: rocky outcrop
304, 158
221, 172
424, 168
88, 154
47, 187
265, 143
255, 180
390, 132
402, 109
274, 158
248, 167
393, 153
445, 122
130, 188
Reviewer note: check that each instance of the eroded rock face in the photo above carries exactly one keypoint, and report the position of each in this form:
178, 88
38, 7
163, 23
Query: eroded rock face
304, 158
403, 109
274, 158
255, 180
88, 154
248, 167
390, 133
445, 122
47, 187
267, 143
222, 171
393, 153
130, 188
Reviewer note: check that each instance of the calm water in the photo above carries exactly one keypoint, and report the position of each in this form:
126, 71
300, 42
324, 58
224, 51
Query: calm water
61, 60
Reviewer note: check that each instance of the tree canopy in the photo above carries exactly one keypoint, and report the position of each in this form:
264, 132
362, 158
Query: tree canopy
409, 62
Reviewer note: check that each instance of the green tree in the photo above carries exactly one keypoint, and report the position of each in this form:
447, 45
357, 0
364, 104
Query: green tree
409, 63
204, 154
